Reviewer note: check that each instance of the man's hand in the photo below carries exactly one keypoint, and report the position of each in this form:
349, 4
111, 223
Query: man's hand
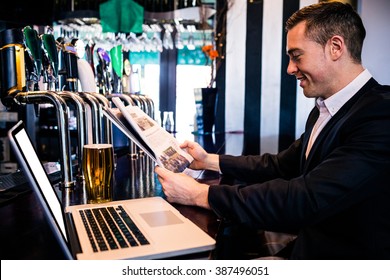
202, 159
180, 188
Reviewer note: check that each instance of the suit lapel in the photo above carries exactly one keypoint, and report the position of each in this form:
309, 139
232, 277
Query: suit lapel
328, 127
313, 116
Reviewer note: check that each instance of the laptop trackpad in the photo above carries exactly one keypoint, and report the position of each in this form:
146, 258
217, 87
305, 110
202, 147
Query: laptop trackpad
161, 218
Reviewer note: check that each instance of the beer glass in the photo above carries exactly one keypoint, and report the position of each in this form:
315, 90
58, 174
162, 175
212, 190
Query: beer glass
98, 168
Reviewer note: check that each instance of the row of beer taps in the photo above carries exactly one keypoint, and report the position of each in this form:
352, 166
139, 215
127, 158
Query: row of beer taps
38, 69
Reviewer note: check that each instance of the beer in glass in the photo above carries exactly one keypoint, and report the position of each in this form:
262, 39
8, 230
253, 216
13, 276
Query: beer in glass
98, 168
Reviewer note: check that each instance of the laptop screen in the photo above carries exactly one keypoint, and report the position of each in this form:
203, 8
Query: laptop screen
32, 162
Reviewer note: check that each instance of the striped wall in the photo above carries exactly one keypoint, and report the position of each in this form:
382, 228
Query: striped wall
376, 55
260, 98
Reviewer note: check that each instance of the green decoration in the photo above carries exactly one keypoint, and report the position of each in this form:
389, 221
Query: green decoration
117, 60
121, 16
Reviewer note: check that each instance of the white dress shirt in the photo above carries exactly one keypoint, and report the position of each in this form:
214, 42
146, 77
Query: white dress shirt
329, 107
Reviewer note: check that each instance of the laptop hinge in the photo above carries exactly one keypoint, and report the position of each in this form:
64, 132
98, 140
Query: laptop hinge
72, 233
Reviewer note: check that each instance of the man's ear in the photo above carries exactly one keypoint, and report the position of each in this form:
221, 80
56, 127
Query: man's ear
337, 47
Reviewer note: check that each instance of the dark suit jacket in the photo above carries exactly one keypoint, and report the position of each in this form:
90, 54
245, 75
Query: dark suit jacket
338, 200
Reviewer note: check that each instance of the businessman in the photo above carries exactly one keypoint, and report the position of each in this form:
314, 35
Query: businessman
332, 185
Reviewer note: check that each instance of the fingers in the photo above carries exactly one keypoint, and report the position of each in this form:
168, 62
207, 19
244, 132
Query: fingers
161, 171
188, 144
184, 144
164, 175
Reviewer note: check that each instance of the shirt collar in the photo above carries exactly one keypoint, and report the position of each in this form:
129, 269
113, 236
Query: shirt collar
337, 100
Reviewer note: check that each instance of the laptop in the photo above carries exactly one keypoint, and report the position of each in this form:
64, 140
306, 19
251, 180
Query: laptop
142, 228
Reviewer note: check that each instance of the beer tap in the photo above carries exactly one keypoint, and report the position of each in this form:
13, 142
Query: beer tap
50, 54
51, 50
34, 49
138, 101
33, 61
103, 125
92, 110
117, 68
103, 74
128, 101
30, 72
89, 48
106, 131
71, 70
94, 121
14, 90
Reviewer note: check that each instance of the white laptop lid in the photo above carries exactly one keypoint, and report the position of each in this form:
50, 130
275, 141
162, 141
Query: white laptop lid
34, 171
170, 234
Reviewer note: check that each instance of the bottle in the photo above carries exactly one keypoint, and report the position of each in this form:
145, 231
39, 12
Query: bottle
168, 121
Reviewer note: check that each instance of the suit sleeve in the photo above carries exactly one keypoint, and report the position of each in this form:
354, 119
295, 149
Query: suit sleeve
263, 168
352, 166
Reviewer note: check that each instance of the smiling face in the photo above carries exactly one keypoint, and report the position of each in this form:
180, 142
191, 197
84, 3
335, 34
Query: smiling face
311, 63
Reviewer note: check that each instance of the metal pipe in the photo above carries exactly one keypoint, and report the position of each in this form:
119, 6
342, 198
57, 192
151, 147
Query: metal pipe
145, 104
148, 107
81, 126
150, 111
128, 101
42, 97
95, 117
137, 100
106, 137
151, 108
126, 98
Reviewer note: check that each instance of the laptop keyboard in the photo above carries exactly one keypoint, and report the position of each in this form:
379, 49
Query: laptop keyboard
12, 180
17, 179
111, 228
16, 184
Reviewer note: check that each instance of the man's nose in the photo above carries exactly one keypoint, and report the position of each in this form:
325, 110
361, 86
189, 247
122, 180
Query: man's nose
292, 68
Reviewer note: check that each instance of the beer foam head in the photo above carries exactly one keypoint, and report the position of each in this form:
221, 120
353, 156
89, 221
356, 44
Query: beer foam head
98, 146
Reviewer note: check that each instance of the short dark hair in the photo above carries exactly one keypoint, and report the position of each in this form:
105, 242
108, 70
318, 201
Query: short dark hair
326, 19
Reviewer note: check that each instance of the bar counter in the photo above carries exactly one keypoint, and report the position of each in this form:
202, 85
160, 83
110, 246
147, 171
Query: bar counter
26, 235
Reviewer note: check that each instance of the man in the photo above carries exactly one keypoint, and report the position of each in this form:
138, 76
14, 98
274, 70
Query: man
331, 186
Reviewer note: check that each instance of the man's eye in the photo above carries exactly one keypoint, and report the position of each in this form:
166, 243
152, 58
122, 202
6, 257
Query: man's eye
295, 57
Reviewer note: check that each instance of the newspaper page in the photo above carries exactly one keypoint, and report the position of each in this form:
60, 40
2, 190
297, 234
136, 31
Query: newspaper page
163, 145
117, 118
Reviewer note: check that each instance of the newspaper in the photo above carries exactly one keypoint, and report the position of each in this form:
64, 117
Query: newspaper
148, 135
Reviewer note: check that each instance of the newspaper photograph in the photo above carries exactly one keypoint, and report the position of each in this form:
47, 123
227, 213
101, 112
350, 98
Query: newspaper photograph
161, 145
